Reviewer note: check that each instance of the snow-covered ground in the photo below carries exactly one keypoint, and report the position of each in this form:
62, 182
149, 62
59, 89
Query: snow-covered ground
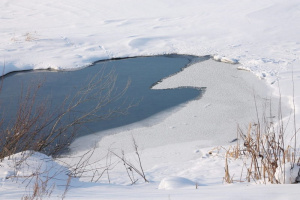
263, 36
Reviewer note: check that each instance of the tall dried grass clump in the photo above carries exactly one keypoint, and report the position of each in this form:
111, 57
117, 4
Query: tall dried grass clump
265, 155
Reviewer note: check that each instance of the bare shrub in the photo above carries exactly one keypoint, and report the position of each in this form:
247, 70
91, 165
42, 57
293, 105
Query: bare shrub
38, 128
130, 167
39, 189
93, 167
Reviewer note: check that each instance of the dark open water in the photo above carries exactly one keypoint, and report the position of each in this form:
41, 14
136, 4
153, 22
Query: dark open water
143, 72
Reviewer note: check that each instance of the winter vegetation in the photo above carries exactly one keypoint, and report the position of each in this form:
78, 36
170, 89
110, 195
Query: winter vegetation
238, 141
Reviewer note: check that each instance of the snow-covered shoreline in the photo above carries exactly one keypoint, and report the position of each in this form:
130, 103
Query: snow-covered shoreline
261, 35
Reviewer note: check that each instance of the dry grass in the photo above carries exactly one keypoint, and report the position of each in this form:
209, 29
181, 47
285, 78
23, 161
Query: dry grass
264, 152
31, 36
227, 177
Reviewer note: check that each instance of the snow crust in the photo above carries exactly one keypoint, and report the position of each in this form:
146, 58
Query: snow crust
262, 36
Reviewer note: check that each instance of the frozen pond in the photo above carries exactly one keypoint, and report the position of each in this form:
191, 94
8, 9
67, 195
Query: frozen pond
144, 72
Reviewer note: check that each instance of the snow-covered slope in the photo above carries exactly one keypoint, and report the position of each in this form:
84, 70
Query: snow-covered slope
262, 35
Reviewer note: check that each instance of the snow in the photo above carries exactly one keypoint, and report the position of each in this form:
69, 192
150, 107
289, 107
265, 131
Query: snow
26, 169
174, 182
258, 36
68, 34
289, 176
225, 59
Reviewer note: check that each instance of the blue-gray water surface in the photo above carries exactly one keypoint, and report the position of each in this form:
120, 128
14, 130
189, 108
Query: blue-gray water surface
143, 72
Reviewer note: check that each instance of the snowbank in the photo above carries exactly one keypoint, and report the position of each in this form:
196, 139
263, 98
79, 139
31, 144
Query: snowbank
26, 173
175, 183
